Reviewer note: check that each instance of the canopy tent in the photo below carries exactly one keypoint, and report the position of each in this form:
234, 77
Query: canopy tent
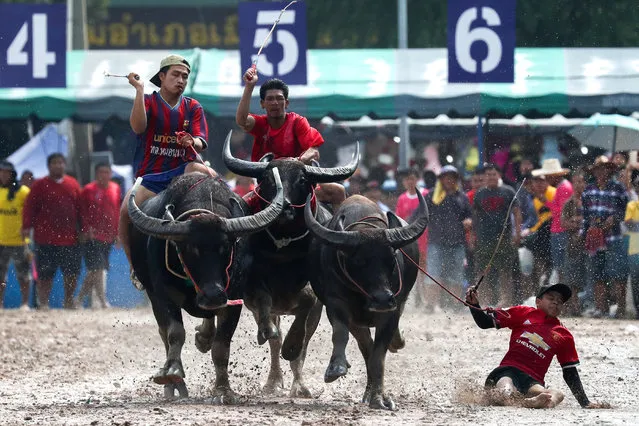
347, 84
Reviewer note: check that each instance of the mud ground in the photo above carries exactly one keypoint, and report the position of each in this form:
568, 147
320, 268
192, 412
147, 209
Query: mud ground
92, 367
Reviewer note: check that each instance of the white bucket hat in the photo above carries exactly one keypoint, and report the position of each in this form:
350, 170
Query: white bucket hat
549, 167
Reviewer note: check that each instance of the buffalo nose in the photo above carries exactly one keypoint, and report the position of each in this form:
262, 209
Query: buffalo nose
382, 301
211, 299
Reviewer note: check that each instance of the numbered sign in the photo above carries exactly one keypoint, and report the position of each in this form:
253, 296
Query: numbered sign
481, 41
284, 55
33, 45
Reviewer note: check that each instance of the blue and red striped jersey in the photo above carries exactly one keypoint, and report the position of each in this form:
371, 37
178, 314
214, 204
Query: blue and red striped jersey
157, 150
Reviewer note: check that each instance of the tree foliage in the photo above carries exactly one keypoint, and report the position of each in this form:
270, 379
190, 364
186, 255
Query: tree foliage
540, 23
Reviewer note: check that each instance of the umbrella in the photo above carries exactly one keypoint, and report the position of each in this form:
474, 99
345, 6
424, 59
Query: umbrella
608, 131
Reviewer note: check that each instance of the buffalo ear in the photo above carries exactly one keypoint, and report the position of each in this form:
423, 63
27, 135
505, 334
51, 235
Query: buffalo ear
236, 209
393, 220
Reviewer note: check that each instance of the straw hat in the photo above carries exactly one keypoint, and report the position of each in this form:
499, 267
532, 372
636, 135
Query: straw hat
603, 161
550, 167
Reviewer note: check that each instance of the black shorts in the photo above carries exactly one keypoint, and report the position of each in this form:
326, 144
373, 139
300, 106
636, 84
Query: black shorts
96, 255
522, 381
21, 261
50, 258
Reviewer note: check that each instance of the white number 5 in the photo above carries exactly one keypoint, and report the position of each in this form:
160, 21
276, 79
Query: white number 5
465, 37
41, 57
284, 37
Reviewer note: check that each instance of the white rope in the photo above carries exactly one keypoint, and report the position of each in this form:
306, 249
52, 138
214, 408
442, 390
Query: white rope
166, 246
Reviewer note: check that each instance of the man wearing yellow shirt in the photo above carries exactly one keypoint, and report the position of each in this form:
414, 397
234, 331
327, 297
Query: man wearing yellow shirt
632, 223
12, 245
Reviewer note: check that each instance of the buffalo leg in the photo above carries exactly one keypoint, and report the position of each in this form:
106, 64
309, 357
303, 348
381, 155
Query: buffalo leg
171, 329
205, 333
298, 388
266, 328
227, 320
296, 336
375, 366
338, 365
275, 381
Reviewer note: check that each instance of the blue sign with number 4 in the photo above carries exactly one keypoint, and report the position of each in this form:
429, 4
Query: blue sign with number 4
481, 41
33, 45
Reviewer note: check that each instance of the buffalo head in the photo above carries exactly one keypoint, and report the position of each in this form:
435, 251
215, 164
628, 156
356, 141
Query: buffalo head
365, 244
203, 218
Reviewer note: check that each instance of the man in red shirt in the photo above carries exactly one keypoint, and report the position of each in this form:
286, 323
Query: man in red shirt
169, 128
284, 134
537, 336
52, 213
99, 213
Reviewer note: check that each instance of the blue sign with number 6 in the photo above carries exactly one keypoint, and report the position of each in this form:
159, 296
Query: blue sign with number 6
481, 41
33, 45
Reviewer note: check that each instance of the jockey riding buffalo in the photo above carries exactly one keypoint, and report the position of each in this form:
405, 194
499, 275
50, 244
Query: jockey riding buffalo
278, 281
363, 265
189, 251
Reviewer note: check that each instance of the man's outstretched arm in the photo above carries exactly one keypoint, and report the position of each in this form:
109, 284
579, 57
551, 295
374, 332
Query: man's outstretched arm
482, 319
242, 117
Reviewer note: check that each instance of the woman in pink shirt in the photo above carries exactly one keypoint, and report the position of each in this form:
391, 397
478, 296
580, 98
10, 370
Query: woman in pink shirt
556, 176
406, 204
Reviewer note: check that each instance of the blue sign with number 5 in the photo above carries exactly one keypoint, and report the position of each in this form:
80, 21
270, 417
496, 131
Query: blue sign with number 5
481, 41
33, 45
284, 54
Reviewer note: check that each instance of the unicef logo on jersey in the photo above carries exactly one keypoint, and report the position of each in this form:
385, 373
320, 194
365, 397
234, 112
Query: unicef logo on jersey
284, 55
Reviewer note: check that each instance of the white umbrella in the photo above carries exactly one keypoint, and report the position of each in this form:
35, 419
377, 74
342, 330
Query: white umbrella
608, 131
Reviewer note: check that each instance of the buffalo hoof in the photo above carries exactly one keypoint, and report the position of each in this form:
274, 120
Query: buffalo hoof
170, 388
292, 348
203, 341
174, 373
226, 396
335, 370
299, 390
274, 386
398, 341
378, 401
267, 332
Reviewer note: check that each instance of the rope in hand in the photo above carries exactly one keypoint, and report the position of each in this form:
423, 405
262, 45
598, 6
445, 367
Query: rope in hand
180, 134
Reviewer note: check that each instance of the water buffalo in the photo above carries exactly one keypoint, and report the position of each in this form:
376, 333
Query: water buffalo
189, 250
278, 282
360, 271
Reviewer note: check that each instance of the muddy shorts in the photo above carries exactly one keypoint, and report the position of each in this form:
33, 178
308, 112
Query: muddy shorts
96, 255
21, 262
522, 381
50, 258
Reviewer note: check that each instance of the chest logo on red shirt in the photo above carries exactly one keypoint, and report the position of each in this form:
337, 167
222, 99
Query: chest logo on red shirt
535, 340
186, 124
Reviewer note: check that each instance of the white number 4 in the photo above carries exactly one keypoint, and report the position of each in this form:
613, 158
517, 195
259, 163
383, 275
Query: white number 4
42, 58
465, 37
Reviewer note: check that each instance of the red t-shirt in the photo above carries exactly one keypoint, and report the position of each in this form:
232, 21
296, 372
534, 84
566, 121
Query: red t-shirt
100, 211
406, 205
52, 209
292, 139
534, 340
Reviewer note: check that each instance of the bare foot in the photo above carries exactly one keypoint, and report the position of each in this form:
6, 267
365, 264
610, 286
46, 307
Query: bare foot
543, 400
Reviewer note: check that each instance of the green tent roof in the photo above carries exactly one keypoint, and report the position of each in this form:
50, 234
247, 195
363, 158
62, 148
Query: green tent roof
381, 83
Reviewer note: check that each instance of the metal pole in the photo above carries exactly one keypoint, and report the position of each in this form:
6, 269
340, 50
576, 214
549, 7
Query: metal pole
480, 140
402, 39
81, 137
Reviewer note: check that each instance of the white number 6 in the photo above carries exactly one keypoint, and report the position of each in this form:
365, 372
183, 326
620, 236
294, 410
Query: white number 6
465, 37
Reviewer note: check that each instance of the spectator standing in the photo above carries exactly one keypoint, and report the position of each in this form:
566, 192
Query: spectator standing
450, 217
604, 208
27, 178
477, 181
99, 215
490, 216
556, 177
243, 185
407, 203
575, 262
373, 192
52, 213
632, 223
12, 245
